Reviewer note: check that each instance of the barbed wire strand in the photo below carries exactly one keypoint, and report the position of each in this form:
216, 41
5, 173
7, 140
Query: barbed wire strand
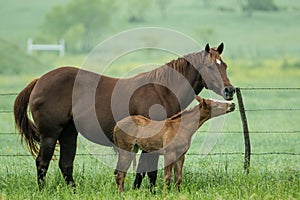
225, 132
269, 88
188, 154
247, 110
9, 94
242, 88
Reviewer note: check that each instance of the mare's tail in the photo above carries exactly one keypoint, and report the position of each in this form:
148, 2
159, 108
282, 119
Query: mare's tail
26, 127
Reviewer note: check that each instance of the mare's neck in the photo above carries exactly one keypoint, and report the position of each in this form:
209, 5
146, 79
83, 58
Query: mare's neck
191, 73
182, 77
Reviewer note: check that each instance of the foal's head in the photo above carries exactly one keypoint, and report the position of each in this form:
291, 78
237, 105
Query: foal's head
210, 108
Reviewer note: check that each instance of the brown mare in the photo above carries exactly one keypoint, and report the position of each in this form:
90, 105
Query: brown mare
58, 114
171, 137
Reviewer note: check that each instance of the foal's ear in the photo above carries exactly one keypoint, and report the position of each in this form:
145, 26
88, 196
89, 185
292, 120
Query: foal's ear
207, 48
220, 48
199, 99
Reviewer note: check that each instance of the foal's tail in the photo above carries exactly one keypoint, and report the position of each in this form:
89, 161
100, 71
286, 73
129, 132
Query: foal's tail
26, 127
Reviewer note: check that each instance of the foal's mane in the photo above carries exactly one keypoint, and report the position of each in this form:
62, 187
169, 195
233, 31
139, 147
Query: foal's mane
181, 65
184, 112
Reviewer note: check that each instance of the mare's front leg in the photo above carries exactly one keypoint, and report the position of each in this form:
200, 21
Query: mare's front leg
148, 163
178, 165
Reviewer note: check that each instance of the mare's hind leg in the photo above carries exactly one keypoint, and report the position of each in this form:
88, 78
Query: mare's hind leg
47, 147
68, 142
148, 163
140, 172
152, 173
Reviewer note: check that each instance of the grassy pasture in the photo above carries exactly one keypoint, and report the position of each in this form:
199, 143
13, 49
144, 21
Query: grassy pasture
214, 176
261, 51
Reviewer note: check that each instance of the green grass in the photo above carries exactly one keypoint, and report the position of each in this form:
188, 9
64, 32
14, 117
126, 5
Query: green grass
272, 176
209, 178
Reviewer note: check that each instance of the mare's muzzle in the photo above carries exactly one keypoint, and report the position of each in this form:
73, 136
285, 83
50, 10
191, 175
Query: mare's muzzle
228, 92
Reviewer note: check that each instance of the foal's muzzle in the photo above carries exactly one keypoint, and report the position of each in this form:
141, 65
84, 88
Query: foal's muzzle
231, 107
228, 92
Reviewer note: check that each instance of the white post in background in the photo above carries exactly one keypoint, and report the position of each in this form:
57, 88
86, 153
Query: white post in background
29, 46
46, 47
62, 47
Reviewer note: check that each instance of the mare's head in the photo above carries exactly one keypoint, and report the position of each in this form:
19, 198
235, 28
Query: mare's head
216, 78
210, 108
213, 72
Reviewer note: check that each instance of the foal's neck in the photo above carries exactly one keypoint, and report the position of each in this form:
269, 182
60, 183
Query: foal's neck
190, 120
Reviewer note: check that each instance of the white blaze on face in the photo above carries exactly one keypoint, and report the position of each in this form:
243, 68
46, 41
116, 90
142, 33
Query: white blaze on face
229, 103
218, 61
221, 101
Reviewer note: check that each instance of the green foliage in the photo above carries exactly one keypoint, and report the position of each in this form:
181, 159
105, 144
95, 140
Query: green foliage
80, 22
266, 34
74, 36
55, 22
264, 5
137, 9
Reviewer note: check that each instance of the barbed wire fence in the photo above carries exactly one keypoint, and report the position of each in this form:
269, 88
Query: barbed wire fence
242, 110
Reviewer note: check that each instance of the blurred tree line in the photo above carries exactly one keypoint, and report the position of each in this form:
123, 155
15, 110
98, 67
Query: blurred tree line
81, 22
262, 5
78, 22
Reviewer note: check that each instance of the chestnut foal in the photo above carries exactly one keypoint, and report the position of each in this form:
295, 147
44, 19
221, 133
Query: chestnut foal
170, 138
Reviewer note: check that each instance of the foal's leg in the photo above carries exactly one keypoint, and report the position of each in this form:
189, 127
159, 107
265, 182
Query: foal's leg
120, 176
124, 161
168, 166
168, 174
45, 154
178, 165
67, 141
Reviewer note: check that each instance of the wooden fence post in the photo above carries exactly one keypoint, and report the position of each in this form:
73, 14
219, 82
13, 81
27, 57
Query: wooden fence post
246, 131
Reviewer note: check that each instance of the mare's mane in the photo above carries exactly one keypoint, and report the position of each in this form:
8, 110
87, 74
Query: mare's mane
165, 74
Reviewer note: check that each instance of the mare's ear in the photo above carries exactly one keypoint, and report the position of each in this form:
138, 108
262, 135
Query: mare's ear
220, 48
207, 48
